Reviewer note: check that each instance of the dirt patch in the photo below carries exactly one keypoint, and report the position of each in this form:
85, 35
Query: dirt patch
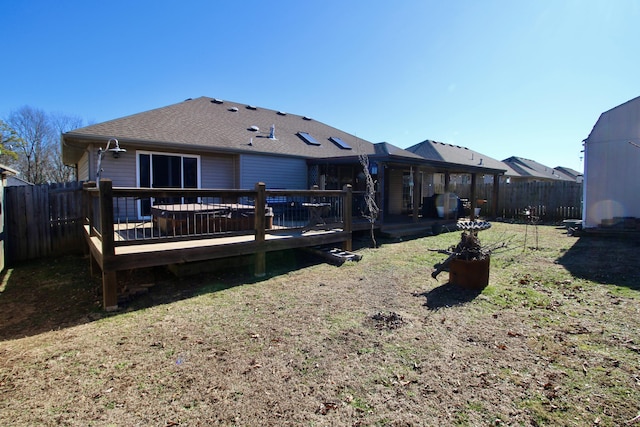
377, 342
387, 320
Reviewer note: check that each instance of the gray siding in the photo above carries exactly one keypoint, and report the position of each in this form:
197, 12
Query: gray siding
275, 172
218, 171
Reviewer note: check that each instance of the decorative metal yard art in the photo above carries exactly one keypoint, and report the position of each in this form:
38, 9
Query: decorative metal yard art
468, 261
531, 218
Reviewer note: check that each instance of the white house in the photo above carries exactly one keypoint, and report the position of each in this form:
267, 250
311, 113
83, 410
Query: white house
612, 169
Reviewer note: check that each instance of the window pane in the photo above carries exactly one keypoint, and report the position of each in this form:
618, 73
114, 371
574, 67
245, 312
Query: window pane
190, 172
167, 171
145, 170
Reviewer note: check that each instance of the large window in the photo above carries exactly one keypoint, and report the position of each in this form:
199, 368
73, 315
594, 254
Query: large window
164, 170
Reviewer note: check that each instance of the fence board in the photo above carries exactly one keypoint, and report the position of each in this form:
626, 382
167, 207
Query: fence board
43, 220
555, 200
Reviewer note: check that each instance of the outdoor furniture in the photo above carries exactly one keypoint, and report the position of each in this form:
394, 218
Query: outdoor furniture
316, 210
199, 218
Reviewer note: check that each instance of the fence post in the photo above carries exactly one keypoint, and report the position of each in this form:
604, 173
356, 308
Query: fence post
109, 278
260, 201
347, 216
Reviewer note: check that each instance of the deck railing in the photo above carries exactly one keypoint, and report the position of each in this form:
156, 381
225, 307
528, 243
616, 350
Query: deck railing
129, 216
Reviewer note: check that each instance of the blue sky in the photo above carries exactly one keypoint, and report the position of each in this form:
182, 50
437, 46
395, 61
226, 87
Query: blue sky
502, 77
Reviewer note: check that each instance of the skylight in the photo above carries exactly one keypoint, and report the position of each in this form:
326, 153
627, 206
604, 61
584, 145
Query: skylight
308, 138
340, 143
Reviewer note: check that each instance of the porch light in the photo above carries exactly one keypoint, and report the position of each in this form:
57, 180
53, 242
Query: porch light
115, 151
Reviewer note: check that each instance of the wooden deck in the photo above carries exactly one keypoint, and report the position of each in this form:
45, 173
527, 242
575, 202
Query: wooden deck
116, 246
156, 253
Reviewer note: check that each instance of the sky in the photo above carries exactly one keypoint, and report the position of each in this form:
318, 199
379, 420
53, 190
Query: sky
505, 78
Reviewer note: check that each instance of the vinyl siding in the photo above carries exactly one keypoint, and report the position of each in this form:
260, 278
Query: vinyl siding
275, 172
217, 172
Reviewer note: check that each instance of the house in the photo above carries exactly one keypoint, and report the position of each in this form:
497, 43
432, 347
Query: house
161, 164
212, 143
611, 174
569, 174
530, 170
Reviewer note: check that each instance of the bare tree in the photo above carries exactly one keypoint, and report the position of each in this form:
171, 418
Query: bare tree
58, 171
33, 128
372, 211
39, 157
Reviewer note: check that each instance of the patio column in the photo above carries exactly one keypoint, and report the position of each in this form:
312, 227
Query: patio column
416, 195
495, 197
474, 181
446, 202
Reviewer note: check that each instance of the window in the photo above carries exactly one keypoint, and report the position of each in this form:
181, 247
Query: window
340, 143
163, 170
308, 138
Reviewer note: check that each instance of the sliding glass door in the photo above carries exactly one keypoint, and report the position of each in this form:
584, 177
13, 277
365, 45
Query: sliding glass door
164, 170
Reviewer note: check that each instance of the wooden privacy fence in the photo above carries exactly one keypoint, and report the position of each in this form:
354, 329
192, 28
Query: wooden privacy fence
551, 201
43, 220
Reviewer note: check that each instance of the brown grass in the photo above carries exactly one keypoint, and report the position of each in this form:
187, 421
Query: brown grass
553, 340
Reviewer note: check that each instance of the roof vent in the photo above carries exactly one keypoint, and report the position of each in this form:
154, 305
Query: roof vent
254, 129
272, 132
282, 113
251, 107
306, 118
234, 109
216, 101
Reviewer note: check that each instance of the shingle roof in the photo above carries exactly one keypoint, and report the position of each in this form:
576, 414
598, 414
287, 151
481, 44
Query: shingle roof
571, 174
440, 151
214, 125
530, 168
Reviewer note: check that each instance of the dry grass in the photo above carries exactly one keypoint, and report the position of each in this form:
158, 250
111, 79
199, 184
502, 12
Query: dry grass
553, 340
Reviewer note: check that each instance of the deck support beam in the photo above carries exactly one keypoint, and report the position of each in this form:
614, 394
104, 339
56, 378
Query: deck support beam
109, 276
260, 267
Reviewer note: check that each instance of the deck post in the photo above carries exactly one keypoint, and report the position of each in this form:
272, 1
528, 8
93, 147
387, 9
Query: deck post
260, 226
109, 278
87, 220
347, 216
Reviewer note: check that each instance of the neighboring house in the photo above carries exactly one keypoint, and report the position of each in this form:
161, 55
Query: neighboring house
569, 174
6, 173
466, 159
530, 170
611, 173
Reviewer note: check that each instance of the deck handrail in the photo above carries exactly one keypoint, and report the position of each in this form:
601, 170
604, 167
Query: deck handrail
105, 194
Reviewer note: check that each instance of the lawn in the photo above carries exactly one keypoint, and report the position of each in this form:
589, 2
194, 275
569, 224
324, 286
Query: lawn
553, 340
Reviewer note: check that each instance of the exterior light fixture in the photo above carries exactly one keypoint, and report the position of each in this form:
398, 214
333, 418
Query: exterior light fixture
115, 151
